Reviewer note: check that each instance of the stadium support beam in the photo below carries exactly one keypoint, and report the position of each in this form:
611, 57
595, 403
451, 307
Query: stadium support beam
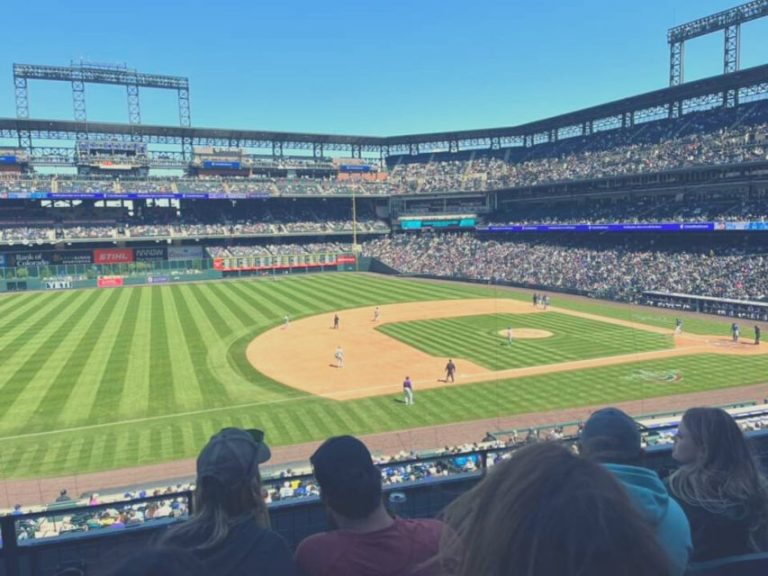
728, 20
731, 56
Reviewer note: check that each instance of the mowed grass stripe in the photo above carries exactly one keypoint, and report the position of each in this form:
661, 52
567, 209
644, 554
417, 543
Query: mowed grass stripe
398, 290
134, 400
31, 326
232, 321
214, 318
19, 304
79, 360
195, 326
114, 369
161, 381
270, 295
37, 353
290, 292
245, 317
312, 297
187, 393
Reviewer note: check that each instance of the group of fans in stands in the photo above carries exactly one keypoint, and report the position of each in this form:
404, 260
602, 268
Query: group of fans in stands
544, 508
699, 139
614, 272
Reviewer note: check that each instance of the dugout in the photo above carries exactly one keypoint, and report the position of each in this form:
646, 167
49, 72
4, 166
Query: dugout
749, 310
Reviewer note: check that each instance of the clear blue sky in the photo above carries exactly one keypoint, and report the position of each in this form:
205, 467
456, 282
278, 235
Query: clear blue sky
362, 67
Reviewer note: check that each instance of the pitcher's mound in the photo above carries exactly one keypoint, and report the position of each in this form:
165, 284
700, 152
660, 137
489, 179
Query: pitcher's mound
526, 333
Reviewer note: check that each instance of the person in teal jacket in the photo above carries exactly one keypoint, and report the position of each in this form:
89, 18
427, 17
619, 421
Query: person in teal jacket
612, 438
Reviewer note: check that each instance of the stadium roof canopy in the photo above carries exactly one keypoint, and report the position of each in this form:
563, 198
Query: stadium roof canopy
722, 90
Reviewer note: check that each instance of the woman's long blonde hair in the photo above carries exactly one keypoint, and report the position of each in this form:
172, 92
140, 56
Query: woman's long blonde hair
215, 508
725, 478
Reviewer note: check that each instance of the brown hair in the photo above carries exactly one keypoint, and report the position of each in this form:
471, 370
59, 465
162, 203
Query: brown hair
544, 512
725, 478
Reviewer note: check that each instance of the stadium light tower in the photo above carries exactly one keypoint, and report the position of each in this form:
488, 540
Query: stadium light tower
728, 20
80, 73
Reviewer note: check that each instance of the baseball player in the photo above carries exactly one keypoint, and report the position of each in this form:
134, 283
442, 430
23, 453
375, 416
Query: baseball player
757, 335
336, 321
509, 336
408, 391
735, 332
678, 326
450, 371
286, 321
376, 314
339, 355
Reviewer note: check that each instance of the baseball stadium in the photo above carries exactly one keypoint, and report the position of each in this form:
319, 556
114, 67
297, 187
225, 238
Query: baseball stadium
450, 299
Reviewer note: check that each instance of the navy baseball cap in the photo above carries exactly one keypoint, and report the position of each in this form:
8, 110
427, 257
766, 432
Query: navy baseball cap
340, 461
615, 427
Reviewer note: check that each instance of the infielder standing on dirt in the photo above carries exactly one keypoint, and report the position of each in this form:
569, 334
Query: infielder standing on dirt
376, 314
408, 391
339, 355
336, 321
450, 370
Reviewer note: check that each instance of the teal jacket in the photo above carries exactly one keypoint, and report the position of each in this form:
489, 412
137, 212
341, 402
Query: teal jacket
650, 497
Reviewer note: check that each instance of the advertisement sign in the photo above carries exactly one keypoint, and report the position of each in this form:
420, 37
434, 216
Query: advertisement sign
158, 279
150, 253
109, 281
112, 255
185, 253
650, 227
57, 284
71, 257
345, 259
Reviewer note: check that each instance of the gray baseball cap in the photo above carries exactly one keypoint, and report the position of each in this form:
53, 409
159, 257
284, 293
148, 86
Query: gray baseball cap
232, 456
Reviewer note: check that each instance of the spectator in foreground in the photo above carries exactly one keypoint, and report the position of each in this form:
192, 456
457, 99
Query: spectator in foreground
546, 511
366, 539
719, 486
610, 437
161, 562
229, 531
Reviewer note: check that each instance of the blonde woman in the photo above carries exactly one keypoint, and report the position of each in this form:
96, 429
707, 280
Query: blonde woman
719, 486
229, 530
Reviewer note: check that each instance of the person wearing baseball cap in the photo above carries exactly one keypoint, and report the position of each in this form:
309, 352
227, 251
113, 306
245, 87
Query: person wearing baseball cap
366, 540
612, 438
229, 531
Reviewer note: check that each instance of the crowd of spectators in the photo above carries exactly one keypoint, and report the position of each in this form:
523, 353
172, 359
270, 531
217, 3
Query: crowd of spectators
638, 210
698, 139
277, 250
50, 232
619, 273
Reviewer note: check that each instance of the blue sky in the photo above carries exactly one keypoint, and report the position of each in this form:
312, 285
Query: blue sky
364, 67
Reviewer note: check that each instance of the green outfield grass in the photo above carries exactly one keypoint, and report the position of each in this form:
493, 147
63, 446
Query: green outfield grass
99, 379
477, 338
